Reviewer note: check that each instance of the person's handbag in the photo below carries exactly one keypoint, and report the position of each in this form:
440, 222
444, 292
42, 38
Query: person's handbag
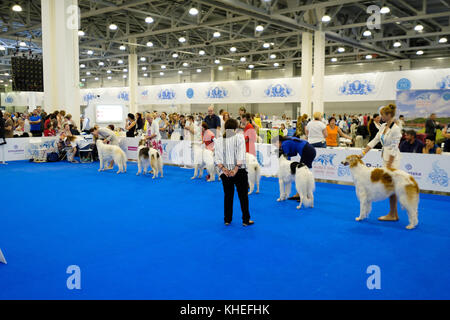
52, 157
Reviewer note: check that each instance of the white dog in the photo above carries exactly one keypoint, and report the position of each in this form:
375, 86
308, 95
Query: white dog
203, 159
285, 177
379, 184
107, 152
254, 172
149, 157
305, 185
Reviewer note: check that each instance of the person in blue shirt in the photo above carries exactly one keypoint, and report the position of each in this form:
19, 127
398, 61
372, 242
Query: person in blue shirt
430, 145
291, 147
35, 124
411, 144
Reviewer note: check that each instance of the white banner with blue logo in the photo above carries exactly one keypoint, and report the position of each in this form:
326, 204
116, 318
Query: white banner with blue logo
421, 103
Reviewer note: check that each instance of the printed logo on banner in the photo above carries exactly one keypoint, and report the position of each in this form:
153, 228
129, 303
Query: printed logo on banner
217, 93
424, 100
166, 94
404, 84
444, 83
123, 95
409, 169
357, 87
16, 149
323, 165
246, 91
89, 96
278, 91
9, 99
326, 159
446, 96
190, 93
438, 176
145, 93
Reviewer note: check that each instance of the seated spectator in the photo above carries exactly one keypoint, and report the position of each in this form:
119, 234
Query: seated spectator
411, 144
71, 148
446, 134
283, 130
50, 131
430, 146
74, 130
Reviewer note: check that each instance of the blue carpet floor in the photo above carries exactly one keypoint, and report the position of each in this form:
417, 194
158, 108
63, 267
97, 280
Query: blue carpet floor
135, 238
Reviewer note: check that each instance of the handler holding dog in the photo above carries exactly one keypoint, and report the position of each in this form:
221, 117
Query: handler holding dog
389, 136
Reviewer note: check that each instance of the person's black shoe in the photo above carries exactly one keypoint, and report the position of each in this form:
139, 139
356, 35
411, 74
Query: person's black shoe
294, 198
227, 223
246, 224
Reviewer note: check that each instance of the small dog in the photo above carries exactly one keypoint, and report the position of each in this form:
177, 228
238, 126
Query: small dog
378, 184
254, 172
149, 157
305, 185
203, 159
107, 152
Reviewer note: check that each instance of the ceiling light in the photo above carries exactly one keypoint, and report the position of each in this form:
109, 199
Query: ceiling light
90, 52
397, 44
243, 59
163, 67
83, 80
441, 40
82, 66
112, 26
125, 76
369, 56
17, 8
276, 64
123, 48
125, 70
101, 63
273, 56
333, 59
145, 74
367, 33
233, 49
341, 49
259, 28
88, 73
217, 61
185, 64
201, 52
251, 66
22, 44
120, 61
419, 27
144, 68
193, 11
182, 39
216, 34
149, 20
266, 45
96, 79
143, 59
326, 18
180, 71
175, 55
419, 53
220, 68
2, 48
149, 44
109, 78
385, 10
108, 71
81, 33
161, 73
7, 74
199, 70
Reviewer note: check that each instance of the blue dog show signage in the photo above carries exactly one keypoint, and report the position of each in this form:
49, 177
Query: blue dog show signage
357, 87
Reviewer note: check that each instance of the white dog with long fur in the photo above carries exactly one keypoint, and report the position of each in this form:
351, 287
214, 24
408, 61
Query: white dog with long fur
381, 183
203, 159
254, 172
149, 157
108, 152
285, 177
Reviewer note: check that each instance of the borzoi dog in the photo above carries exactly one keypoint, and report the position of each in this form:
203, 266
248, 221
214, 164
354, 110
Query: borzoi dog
379, 184
107, 152
254, 172
149, 157
290, 171
203, 159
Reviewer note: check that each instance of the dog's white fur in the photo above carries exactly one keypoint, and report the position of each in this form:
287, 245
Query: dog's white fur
154, 160
305, 185
254, 172
203, 159
107, 152
285, 178
370, 187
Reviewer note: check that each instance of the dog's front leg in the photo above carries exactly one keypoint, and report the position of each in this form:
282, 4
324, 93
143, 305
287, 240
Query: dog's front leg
281, 198
287, 189
101, 164
195, 172
252, 186
363, 208
139, 167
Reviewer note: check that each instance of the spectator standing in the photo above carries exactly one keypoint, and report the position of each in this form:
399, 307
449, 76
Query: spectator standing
35, 124
249, 134
431, 125
333, 133
213, 121
374, 127
9, 125
131, 126
153, 135
316, 131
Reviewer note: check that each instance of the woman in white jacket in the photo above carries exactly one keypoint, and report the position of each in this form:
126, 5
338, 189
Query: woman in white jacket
389, 136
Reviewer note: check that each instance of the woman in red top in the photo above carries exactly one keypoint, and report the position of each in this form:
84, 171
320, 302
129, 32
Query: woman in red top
249, 134
207, 137
49, 132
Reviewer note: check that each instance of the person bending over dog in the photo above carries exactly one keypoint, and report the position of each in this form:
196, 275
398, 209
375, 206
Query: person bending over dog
108, 136
292, 146
389, 135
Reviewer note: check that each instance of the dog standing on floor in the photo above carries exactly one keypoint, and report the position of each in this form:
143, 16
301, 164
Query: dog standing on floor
379, 184
107, 152
149, 157
254, 172
285, 177
203, 159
